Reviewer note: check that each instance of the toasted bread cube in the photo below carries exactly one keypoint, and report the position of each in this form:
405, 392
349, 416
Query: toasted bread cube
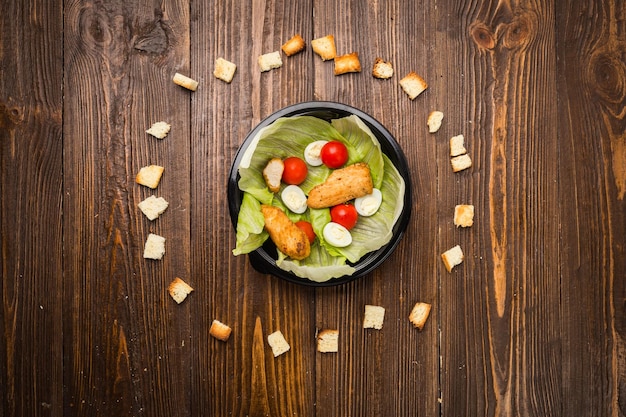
278, 343
293, 45
159, 130
457, 145
224, 70
374, 317
419, 315
150, 176
153, 207
220, 330
328, 341
461, 162
325, 47
347, 63
179, 290
382, 69
186, 82
413, 85
464, 215
154, 247
435, 119
452, 257
270, 61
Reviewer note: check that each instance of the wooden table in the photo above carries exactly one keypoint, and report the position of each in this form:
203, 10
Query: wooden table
532, 323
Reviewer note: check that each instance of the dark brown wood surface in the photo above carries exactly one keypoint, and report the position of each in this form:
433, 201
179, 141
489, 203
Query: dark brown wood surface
532, 323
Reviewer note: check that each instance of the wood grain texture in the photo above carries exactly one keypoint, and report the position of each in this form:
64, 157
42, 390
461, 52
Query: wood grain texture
532, 323
31, 149
592, 206
126, 342
507, 339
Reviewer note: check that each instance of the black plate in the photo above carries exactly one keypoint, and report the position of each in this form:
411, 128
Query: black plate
264, 258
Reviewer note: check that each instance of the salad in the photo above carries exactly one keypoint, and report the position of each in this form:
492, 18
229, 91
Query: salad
288, 137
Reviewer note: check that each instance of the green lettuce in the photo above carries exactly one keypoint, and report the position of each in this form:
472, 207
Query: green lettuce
289, 136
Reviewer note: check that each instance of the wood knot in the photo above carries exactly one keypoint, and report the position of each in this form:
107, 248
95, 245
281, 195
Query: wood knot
607, 76
519, 32
482, 36
94, 27
152, 38
10, 116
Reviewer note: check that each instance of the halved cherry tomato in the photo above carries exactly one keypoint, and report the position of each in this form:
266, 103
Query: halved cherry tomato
334, 154
344, 214
295, 171
306, 228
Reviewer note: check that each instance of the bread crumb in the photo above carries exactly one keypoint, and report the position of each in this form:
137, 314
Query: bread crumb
457, 145
224, 70
179, 290
293, 45
464, 215
413, 85
461, 162
420, 314
278, 343
159, 130
154, 247
435, 119
374, 317
185, 82
270, 61
328, 341
452, 257
153, 207
325, 47
220, 330
382, 69
150, 176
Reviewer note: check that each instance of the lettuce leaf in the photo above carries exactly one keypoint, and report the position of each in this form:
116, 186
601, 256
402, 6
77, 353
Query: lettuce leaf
250, 226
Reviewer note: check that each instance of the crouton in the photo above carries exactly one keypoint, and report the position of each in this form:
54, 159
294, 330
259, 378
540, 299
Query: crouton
224, 70
179, 290
185, 82
413, 85
325, 47
452, 257
150, 176
270, 61
347, 63
382, 69
293, 45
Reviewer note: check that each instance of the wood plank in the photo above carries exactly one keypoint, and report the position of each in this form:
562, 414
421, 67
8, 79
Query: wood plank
592, 177
500, 325
393, 371
126, 342
31, 148
241, 376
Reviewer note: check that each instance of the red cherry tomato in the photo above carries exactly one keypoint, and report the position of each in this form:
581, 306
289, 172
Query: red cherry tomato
334, 154
344, 214
306, 228
295, 171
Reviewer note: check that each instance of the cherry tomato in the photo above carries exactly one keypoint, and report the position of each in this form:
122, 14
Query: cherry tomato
295, 171
307, 229
344, 214
334, 154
